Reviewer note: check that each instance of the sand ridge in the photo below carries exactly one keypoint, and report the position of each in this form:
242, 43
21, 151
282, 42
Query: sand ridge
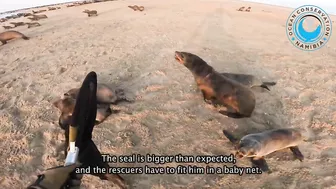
135, 51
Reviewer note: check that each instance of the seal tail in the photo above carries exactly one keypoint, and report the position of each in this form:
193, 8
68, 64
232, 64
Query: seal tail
266, 84
229, 136
25, 37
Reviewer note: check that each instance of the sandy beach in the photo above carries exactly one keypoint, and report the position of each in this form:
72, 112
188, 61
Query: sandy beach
134, 51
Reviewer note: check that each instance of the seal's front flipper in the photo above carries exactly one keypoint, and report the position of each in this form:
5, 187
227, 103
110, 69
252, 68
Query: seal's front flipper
230, 136
232, 115
297, 153
266, 84
265, 87
121, 97
206, 98
261, 163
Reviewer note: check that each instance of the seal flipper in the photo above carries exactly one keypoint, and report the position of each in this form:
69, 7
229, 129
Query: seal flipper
261, 163
231, 114
121, 97
266, 84
230, 136
25, 37
297, 153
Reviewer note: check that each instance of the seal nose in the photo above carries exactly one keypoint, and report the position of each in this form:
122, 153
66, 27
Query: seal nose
179, 54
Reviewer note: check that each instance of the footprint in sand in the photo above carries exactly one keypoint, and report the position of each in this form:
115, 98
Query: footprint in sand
307, 97
36, 148
62, 70
10, 84
328, 153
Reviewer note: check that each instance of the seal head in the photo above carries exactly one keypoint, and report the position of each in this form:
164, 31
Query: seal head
247, 148
187, 59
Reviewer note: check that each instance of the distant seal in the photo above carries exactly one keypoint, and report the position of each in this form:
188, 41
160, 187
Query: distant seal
218, 89
16, 24
8, 27
38, 11
33, 24
248, 9
105, 94
3, 19
27, 14
90, 12
9, 35
38, 17
241, 9
15, 16
20, 14
51, 8
257, 145
248, 80
141, 8
135, 7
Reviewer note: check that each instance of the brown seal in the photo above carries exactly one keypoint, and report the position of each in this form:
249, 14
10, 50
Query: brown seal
9, 35
71, 5
51, 8
27, 14
249, 80
33, 24
8, 27
38, 11
67, 105
90, 12
58, 7
3, 19
241, 9
16, 24
105, 94
38, 17
134, 7
217, 89
20, 14
15, 16
257, 145
141, 8
248, 9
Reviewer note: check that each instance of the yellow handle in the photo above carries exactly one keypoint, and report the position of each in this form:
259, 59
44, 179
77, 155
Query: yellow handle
72, 134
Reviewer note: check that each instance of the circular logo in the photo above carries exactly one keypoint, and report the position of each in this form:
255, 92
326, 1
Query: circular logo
308, 27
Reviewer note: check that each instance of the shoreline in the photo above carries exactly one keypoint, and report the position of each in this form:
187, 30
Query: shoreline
35, 7
281, 6
247, 1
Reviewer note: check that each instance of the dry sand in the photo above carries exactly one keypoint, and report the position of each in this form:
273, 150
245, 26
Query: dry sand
135, 51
